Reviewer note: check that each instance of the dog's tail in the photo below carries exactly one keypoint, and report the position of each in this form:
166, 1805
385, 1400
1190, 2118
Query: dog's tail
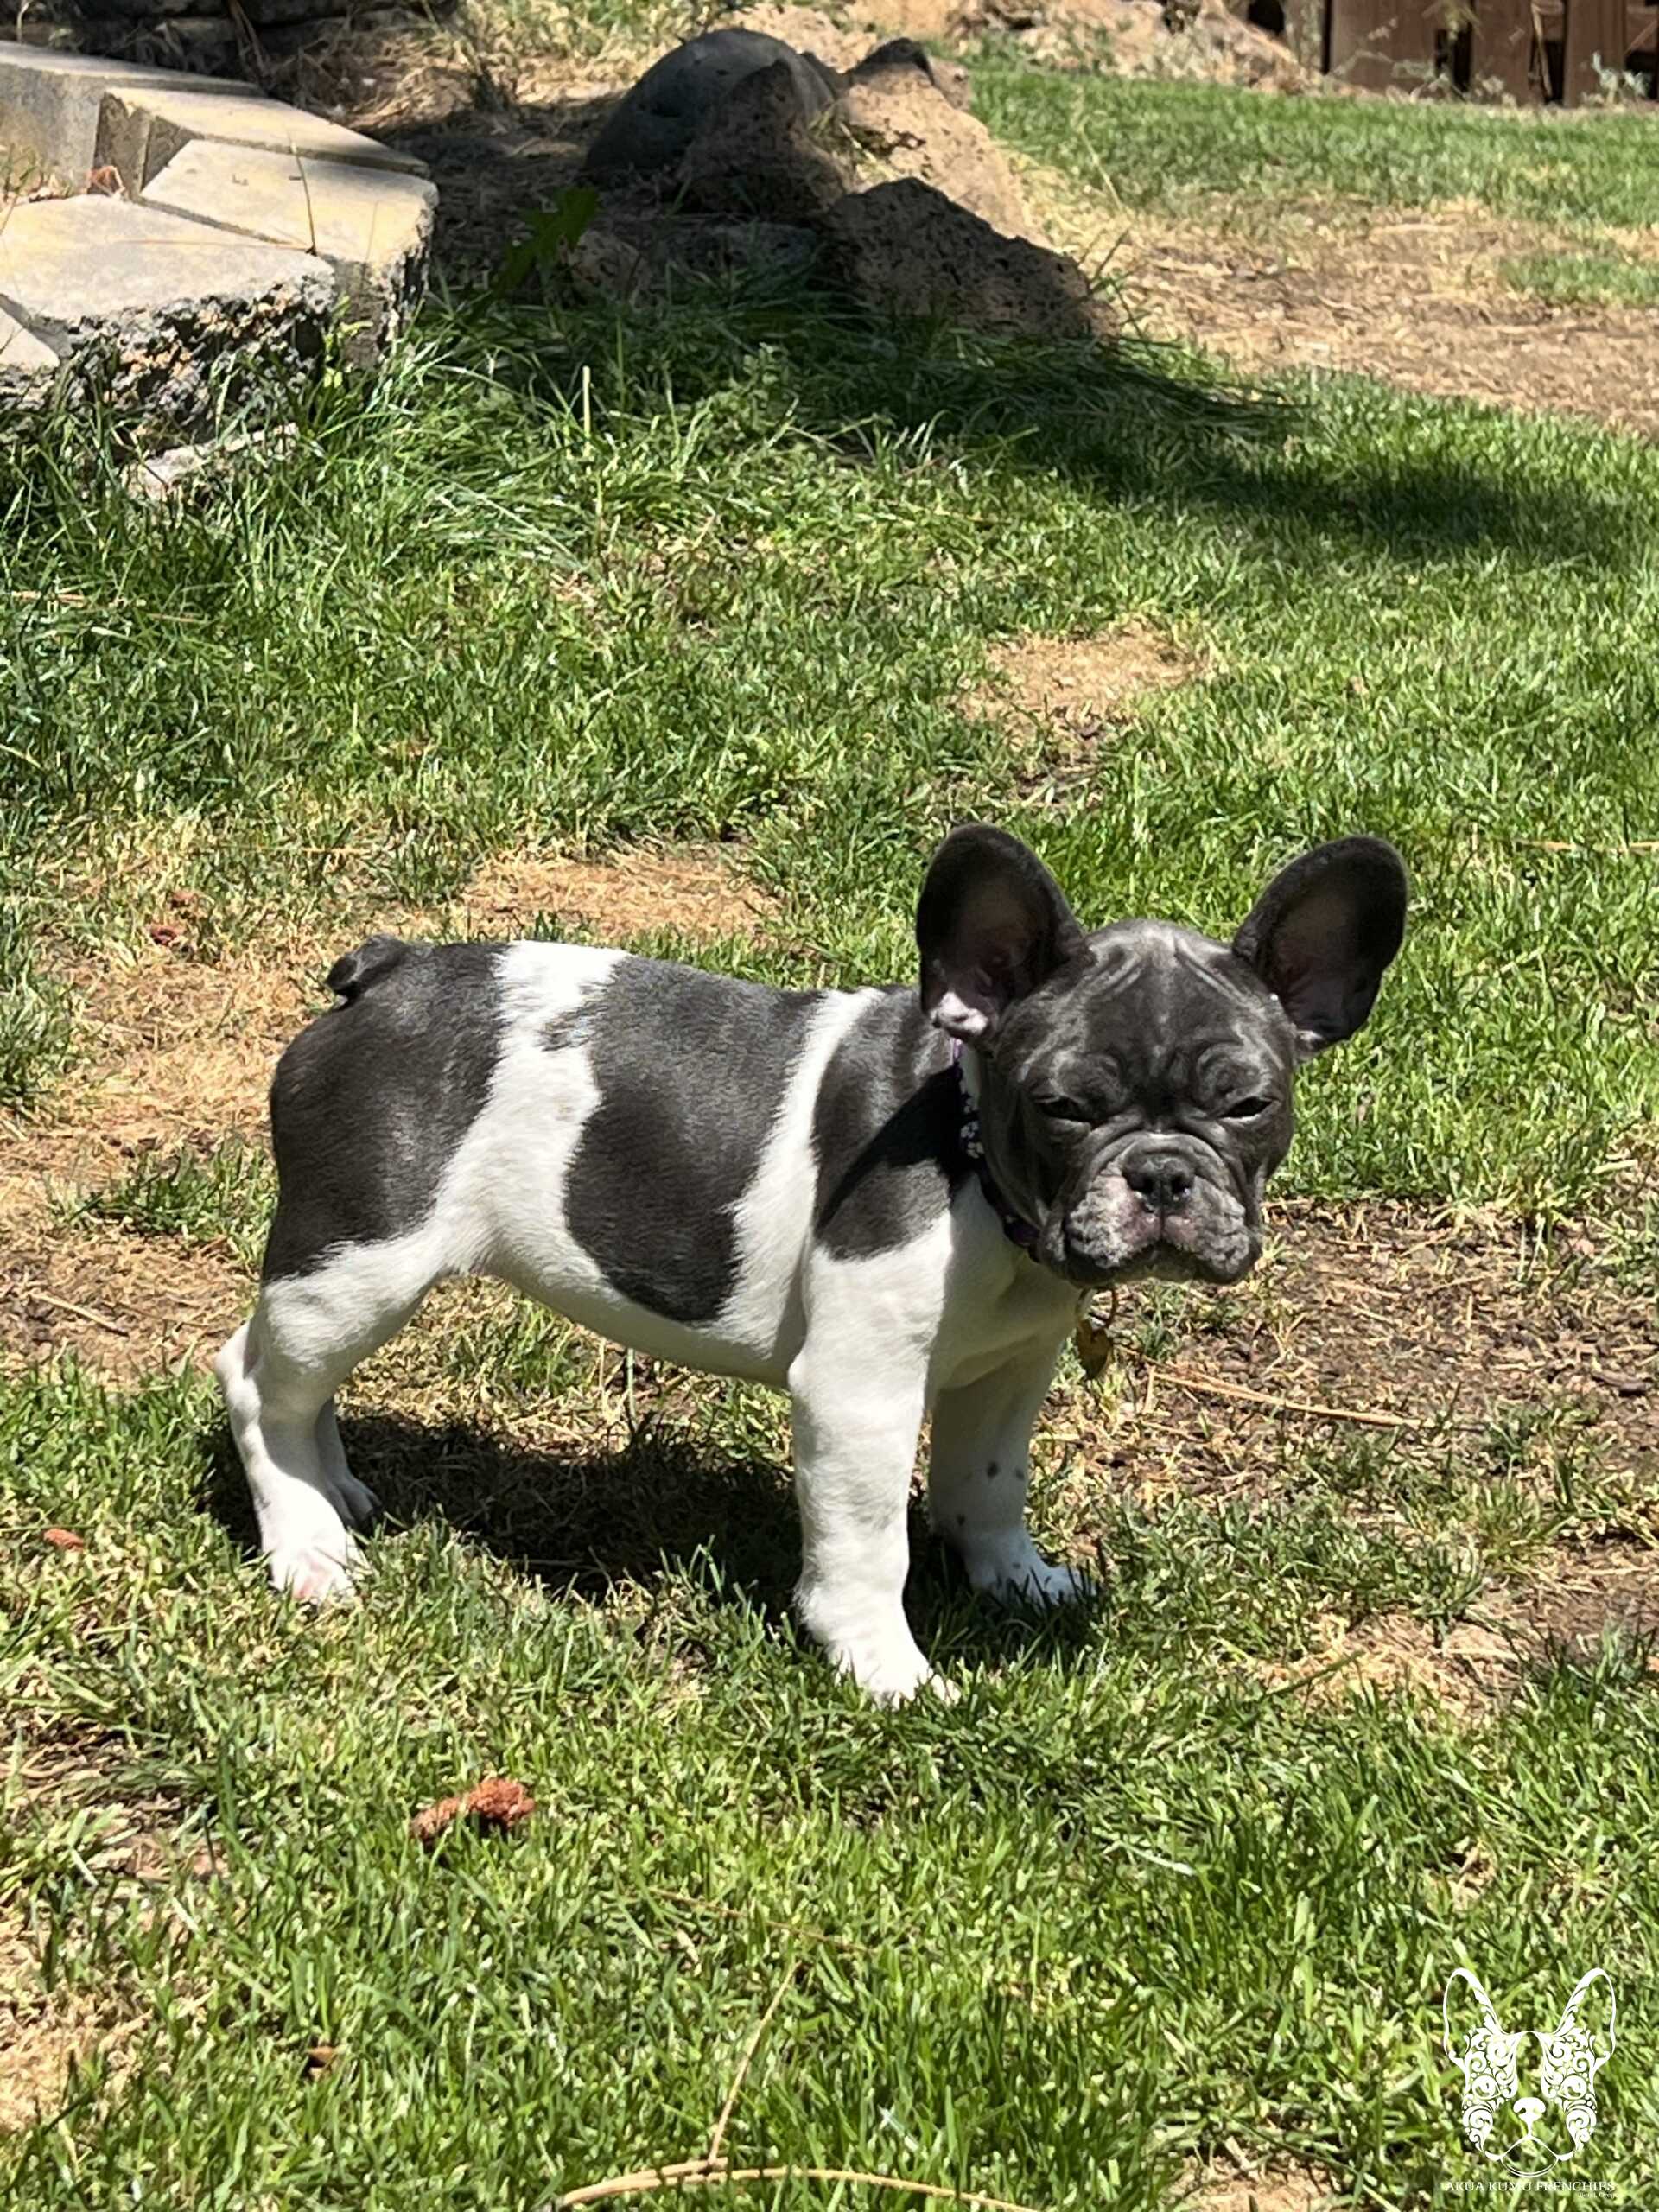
353, 972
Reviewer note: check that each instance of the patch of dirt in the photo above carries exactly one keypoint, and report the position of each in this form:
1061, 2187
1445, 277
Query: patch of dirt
125, 1306
1278, 2188
1129, 38
1378, 1322
1416, 299
1568, 1608
696, 892
44, 2034
1062, 697
176, 1051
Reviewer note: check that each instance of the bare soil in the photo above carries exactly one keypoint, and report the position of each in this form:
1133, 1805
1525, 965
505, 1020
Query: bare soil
1279, 2189
1415, 299
1380, 1321
175, 1049
45, 2033
1062, 699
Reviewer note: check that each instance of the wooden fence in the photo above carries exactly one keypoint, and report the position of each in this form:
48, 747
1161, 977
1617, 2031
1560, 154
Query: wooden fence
1534, 50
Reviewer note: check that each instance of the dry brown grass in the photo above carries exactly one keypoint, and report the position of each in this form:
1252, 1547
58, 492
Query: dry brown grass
46, 2034
1062, 699
1416, 298
694, 891
177, 1040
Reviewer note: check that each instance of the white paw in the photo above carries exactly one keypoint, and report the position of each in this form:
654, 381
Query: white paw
896, 1680
1026, 1578
315, 1569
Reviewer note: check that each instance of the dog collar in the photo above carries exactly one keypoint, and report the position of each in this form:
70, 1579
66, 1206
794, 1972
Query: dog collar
1015, 1227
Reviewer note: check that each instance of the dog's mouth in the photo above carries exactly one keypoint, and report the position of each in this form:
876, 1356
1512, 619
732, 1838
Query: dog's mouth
1160, 1261
1113, 1237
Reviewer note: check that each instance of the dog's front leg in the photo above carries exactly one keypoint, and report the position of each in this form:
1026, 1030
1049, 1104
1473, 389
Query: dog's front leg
977, 1481
858, 1405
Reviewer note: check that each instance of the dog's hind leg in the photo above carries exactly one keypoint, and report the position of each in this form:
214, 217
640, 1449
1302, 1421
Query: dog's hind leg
279, 1373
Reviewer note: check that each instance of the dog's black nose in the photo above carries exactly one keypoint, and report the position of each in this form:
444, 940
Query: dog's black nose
1161, 1180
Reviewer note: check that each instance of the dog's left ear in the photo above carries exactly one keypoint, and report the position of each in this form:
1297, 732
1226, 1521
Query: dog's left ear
1322, 933
991, 926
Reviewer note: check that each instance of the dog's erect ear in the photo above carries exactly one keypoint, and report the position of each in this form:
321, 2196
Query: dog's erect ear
1322, 933
992, 925
1596, 2017
1479, 2019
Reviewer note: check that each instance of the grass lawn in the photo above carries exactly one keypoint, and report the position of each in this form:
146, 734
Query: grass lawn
692, 630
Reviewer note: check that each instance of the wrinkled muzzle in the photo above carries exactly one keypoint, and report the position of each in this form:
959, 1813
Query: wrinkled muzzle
1158, 1205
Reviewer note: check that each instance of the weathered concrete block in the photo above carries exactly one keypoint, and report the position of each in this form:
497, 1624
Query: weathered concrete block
49, 104
140, 131
27, 367
374, 226
157, 314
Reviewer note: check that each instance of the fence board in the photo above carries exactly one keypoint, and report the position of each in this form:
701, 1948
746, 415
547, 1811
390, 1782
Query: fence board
1378, 43
1501, 49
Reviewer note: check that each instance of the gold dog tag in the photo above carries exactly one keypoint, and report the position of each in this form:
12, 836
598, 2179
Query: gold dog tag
1094, 1342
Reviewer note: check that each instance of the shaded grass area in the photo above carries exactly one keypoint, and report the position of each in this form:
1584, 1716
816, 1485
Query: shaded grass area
1174, 146
728, 574
1188, 1908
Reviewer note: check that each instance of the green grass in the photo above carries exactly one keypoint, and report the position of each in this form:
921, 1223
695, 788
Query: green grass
1178, 147
225, 1196
1120, 1904
1575, 279
776, 552
729, 573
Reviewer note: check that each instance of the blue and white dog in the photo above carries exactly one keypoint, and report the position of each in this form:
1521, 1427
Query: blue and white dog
887, 1202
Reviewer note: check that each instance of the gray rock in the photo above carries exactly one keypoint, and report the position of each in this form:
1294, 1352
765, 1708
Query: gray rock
159, 315
756, 154
657, 120
948, 77
49, 104
908, 250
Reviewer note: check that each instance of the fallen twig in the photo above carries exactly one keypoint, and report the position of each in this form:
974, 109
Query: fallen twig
744, 2063
1204, 1383
81, 1312
1589, 852
698, 2173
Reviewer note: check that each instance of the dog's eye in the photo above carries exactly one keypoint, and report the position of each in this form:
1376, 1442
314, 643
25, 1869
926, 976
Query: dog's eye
1063, 1110
1245, 1109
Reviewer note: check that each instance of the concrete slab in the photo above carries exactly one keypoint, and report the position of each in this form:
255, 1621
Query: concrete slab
140, 131
160, 315
49, 105
373, 227
27, 367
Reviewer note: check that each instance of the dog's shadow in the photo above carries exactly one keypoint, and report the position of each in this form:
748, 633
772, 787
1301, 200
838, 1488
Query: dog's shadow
663, 1504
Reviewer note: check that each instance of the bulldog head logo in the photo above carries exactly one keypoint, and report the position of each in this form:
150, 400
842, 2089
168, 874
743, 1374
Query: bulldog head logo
1503, 2118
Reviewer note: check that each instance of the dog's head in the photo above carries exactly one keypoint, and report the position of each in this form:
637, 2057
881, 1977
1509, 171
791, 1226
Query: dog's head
1508, 2113
1134, 1081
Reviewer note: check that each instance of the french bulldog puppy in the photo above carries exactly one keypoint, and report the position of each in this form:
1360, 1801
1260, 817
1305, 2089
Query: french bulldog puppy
890, 1203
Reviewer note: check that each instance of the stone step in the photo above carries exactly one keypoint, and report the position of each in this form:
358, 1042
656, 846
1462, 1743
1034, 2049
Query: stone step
158, 313
50, 102
373, 227
140, 131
